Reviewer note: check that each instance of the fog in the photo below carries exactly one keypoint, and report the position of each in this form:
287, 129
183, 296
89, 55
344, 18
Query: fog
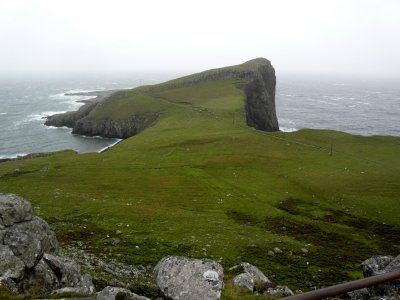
340, 37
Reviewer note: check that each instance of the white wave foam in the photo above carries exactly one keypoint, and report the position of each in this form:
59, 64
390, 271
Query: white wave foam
3, 114
50, 113
65, 128
33, 118
108, 147
287, 129
15, 155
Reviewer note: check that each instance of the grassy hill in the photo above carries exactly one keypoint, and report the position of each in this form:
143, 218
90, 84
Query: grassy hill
199, 182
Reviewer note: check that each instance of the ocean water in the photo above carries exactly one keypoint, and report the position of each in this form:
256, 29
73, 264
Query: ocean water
24, 104
365, 107
357, 106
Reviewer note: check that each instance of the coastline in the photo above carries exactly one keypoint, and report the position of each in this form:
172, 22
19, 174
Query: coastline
97, 96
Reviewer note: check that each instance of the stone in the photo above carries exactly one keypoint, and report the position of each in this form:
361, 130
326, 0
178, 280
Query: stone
394, 265
10, 265
271, 253
184, 278
257, 275
245, 281
374, 265
68, 274
29, 240
39, 279
28, 249
13, 209
304, 250
8, 283
377, 265
361, 294
277, 250
116, 293
280, 290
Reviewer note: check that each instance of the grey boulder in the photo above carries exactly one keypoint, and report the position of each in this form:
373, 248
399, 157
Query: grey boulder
184, 278
28, 253
255, 280
375, 265
255, 273
10, 265
245, 281
13, 209
115, 293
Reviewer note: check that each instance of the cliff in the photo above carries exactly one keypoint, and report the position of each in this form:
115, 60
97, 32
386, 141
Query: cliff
107, 117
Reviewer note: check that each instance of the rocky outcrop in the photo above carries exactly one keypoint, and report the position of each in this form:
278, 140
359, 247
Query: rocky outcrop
258, 75
114, 128
29, 260
69, 119
181, 278
260, 99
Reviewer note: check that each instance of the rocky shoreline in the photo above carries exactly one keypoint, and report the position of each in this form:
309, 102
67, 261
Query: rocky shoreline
68, 119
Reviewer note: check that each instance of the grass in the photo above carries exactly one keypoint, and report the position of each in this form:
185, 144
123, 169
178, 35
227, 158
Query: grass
200, 183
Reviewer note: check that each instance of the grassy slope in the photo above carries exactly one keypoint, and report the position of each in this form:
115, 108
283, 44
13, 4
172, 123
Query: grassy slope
199, 182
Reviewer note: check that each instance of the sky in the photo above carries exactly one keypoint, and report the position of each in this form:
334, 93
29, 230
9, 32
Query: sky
339, 37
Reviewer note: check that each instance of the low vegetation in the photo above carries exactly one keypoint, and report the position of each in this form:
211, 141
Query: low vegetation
201, 183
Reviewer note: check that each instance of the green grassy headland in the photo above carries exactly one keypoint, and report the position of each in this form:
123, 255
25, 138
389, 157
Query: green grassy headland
199, 182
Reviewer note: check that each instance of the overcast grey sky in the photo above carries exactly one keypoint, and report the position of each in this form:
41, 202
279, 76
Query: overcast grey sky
308, 36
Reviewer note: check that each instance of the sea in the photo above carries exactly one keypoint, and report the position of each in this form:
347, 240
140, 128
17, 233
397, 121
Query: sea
357, 106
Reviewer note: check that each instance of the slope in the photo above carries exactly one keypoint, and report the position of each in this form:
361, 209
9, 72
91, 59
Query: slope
200, 182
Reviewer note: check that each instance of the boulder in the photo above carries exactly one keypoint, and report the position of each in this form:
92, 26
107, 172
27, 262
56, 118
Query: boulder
245, 281
116, 293
28, 253
378, 265
375, 265
13, 209
255, 272
255, 280
23, 241
10, 265
40, 279
184, 278
280, 290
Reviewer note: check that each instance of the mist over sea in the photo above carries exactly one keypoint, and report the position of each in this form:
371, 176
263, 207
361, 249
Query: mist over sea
364, 107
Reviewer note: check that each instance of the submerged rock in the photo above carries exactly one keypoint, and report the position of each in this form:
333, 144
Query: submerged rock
184, 278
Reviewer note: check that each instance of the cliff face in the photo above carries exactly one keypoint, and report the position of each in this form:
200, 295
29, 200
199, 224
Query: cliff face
260, 100
258, 75
114, 129
259, 89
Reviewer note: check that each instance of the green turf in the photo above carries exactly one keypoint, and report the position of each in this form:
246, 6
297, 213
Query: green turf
200, 183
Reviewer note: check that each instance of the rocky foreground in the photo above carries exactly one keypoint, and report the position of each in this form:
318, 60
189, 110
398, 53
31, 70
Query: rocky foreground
30, 263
